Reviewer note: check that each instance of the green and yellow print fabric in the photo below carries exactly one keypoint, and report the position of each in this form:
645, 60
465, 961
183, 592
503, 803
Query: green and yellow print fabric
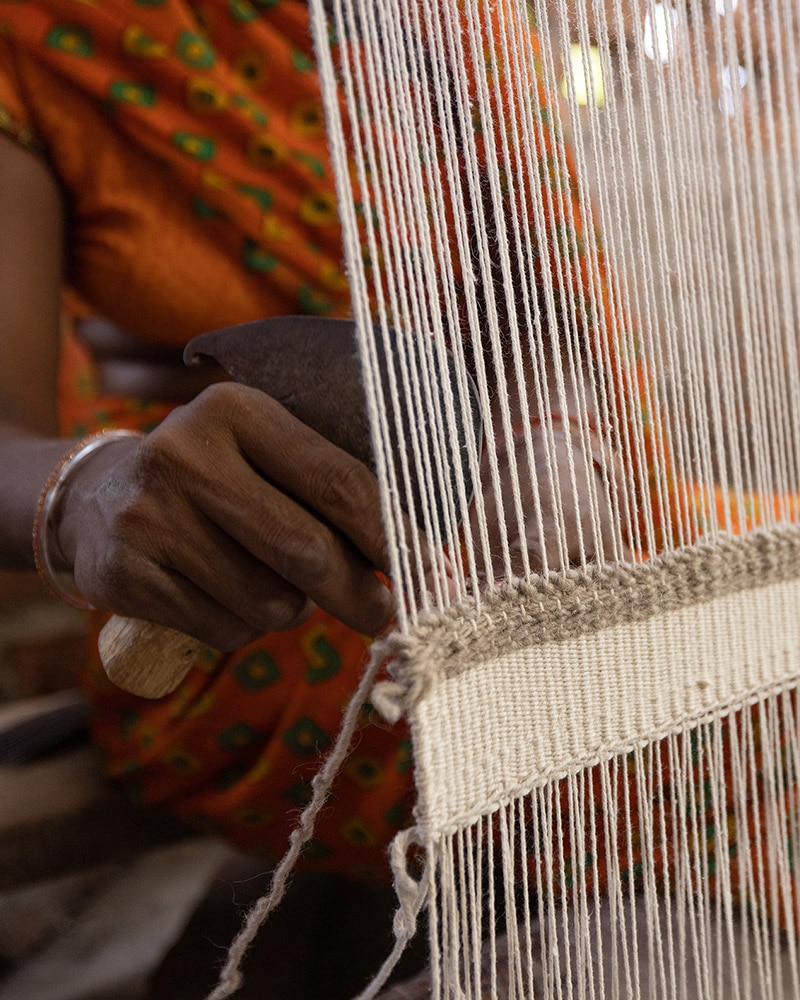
233, 751
222, 99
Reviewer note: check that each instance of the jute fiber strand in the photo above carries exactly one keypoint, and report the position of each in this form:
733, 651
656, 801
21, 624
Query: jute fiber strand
588, 212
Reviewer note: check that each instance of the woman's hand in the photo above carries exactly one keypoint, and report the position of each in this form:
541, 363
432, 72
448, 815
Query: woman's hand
576, 521
230, 520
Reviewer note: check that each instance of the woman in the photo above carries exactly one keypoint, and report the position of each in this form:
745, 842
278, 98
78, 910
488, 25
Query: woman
164, 166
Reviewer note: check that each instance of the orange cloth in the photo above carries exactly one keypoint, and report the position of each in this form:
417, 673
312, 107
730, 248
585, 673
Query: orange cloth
190, 144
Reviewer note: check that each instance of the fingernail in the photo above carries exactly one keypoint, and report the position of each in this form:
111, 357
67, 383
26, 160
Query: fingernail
444, 580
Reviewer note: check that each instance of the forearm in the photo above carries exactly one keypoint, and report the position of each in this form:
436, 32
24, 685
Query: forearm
26, 460
31, 250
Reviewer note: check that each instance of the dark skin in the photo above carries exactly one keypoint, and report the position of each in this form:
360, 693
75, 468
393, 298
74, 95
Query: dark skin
230, 520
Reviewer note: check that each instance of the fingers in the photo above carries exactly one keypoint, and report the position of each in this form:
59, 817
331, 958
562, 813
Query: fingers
273, 518
283, 568
301, 550
333, 484
307, 510
235, 579
568, 518
173, 600
212, 588
318, 475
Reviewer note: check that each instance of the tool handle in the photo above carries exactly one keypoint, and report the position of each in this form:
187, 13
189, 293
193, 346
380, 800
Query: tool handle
145, 659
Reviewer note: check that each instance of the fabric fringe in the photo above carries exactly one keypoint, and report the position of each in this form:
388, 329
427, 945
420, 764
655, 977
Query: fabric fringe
664, 873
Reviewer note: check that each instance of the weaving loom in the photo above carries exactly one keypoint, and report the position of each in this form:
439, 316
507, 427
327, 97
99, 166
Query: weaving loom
594, 207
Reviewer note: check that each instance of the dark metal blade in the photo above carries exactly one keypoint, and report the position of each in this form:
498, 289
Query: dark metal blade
311, 365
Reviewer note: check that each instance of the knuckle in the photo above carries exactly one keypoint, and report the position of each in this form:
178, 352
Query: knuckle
226, 404
307, 559
351, 486
158, 455
218, 397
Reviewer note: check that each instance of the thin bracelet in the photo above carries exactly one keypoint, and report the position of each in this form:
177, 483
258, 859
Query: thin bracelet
47, 503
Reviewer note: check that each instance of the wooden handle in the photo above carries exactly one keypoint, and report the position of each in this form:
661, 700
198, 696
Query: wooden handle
145, 659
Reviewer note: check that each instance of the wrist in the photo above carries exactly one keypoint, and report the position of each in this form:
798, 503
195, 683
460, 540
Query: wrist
53, 547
